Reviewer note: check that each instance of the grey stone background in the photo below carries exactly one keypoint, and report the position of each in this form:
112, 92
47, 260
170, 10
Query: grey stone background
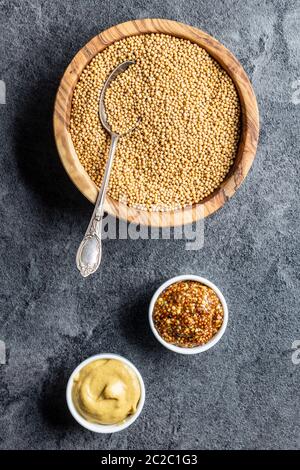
244, 393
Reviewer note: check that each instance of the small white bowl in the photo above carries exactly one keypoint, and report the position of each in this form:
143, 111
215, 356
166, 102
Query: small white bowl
104, 428
196, 349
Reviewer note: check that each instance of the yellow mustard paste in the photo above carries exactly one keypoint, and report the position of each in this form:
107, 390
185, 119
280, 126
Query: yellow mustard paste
106, 391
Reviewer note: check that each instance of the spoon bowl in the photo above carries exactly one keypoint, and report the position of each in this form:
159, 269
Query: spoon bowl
102, 112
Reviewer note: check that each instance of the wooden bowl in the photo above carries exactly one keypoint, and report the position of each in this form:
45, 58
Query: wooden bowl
249, 134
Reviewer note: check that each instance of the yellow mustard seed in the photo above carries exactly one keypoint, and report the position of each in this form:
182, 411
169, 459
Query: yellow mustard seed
189, 129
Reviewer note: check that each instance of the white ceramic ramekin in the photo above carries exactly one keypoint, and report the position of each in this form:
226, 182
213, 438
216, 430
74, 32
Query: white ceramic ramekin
104, 428
196, 349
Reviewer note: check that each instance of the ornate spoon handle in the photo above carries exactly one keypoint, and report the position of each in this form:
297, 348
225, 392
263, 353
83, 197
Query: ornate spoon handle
88, 256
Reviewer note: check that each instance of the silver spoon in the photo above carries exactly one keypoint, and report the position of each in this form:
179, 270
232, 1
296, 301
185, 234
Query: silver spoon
89, 252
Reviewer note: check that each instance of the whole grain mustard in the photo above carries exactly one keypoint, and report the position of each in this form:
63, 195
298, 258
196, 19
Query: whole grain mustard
106, 391
188, 314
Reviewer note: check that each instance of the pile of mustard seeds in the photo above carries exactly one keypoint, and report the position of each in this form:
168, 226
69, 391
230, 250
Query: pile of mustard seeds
187, 113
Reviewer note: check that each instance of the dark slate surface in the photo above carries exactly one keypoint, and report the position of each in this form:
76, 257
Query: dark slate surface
245, 392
